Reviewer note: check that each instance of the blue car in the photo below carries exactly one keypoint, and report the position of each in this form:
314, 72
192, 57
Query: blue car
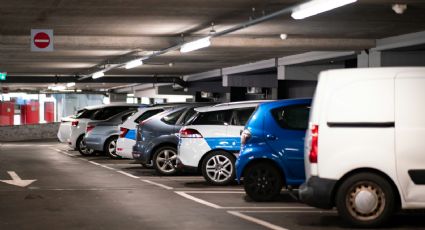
272, 151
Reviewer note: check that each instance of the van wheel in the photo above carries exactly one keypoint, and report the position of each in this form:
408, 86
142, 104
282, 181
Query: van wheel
110, 147
82, 147
262, 181
165, 160
365, 200
218, 168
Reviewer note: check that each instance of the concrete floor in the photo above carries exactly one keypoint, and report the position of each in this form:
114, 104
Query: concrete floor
75, 192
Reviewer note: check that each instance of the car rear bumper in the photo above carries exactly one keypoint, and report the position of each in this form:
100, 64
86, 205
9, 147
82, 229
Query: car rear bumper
318, 192
95, 142
125, 147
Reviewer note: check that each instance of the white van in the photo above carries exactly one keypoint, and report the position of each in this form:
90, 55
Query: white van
365, 147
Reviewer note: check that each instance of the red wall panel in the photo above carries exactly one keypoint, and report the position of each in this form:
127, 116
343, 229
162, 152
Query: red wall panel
7, 111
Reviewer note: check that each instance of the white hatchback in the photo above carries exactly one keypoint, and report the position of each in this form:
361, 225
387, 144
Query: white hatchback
210, 141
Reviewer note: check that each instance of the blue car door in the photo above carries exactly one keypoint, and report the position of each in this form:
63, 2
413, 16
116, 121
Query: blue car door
284, 132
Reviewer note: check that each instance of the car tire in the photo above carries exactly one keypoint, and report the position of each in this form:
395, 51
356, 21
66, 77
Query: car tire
110, 147
82, 148
218, 168
366, 200
262, 181
164, 160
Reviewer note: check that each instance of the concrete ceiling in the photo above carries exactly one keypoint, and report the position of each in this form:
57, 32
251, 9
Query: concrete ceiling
89, 32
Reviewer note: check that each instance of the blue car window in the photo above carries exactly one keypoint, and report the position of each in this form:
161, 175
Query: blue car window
172, 118
292, 117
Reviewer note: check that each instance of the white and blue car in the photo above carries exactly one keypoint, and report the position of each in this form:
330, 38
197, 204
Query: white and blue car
127, 136
210, 141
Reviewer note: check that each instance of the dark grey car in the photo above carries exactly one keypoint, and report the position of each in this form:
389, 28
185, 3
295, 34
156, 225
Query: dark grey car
157, 138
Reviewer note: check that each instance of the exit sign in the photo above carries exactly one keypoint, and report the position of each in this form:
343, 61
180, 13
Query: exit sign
3, 76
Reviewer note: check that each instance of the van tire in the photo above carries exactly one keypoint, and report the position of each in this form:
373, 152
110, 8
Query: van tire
262, 181
82, 148
226, 162
366, 200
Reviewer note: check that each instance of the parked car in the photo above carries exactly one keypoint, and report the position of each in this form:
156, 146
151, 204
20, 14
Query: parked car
94, 113
272, 152
364, 147
102, 135
157, 139
64, 132
127, 136
210, 141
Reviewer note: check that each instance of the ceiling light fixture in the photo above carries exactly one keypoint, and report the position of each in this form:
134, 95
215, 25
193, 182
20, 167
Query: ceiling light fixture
196, 45
70, 84
133, 64
98, 74
283, 36
314, 7
56, 87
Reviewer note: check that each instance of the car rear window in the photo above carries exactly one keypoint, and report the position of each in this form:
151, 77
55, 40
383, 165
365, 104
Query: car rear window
105, 113
241, 116
85, 113
292, 117
147, 115
172, 118
221, 117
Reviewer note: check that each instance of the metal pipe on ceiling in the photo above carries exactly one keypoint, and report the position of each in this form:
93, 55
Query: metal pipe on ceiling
217, 34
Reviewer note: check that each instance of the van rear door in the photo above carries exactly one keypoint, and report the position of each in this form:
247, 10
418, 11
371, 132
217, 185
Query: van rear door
410, 133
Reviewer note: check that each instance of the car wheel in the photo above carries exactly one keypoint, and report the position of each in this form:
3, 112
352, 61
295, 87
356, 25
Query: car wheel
165, 160
110, 147
82, 147
218, 168
262, 181
365, 200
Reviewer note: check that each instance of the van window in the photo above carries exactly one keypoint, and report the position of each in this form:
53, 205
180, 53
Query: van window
221, 117
241, 116
108, 112
292, 117
147, 115
172, 118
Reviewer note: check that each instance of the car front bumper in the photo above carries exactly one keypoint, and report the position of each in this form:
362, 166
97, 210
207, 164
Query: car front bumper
318, 192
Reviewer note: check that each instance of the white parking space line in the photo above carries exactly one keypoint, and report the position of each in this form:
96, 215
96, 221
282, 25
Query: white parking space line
62, 151
128, 174
215, 192
187, 196
256, 221
287, 211
265, 207
158, 184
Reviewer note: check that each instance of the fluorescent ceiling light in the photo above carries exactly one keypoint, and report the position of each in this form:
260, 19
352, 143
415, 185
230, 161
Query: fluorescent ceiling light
314, 7
98, 74
56, 87
70, 84
79, 90
283, 36
195, 45
130, 94
134, 63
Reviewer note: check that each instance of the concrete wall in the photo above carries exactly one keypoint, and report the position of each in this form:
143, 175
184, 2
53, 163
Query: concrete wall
29, 132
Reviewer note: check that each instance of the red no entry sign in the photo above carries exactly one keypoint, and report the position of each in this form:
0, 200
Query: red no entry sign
41, 40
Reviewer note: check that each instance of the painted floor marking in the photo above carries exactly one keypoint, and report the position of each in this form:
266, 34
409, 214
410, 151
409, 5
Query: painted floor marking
63, 152
158, 184
287, 211
128, 174
215, 192
256, 221
275, 207
204, 202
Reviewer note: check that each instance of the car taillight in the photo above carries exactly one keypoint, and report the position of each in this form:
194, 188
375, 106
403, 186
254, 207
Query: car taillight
189, 133
74, 123
314, 144
123, 132
89, 128
246, 134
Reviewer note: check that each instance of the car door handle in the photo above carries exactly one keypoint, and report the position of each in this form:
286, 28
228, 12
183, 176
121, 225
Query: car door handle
271, 137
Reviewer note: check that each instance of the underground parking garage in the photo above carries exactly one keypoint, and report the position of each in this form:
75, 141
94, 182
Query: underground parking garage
238, 114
